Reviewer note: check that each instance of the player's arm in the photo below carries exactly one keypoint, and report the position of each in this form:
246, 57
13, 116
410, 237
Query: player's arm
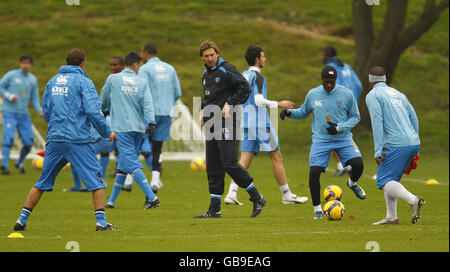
242, 88
302, 112
147, 105
176, 84
376, 117
353, 116
105, 98
412, 116
46, 103
91, 103
4, 83
34, 98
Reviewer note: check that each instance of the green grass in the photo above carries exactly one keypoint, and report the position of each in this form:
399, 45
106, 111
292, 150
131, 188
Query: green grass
62, 217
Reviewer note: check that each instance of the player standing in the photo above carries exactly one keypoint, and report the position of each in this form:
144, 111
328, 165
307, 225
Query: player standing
71, 106
396, 141
165, 88
128, 98
258, 130
335, 114
223, 87
18, 87
347, 78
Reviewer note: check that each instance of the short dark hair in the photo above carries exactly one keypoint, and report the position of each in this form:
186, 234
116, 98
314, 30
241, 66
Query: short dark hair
150, 48
75, 57
119, 58
131, 58
26, 57
330, 51
207, 45
253, 52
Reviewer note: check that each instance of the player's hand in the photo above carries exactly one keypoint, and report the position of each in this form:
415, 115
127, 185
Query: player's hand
201, 118
286, 104
378, 160
226, 110
41, 114
112, 136
13, 98
332, 129
285, 113
150, 131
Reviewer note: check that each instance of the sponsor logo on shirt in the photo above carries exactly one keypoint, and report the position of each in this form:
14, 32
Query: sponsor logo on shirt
318, 103
61, 80
56, 90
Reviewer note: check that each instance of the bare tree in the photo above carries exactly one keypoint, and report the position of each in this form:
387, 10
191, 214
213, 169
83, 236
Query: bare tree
385, 47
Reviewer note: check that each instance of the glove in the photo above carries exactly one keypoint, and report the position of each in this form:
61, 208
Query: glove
333, 128
285, 113
150, 130
412, 165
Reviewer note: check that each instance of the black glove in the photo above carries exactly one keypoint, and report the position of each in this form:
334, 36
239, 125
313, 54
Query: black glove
332, 129
105, 113
150, 130
285, 113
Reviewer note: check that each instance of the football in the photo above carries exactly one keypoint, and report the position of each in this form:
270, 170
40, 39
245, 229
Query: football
334, 210
198, 164
37, 163
332, 192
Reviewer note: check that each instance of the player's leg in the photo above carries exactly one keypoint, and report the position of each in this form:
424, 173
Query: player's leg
77, 186
53, 163
24, 127
228, 151
9, 130
319, 157
160, 135
349, 153
391, 211
340, 169
216, 178
245, 161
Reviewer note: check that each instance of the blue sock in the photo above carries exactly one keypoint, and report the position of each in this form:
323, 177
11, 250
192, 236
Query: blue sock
214, 205
100, 216
24, 214
23, 153
104, 160
148, 161
5, 155
140, 178
253, 192
76, 179
120, 180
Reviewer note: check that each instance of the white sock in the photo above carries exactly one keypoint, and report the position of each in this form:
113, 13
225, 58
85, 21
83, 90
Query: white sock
232, 191
155, 176
397, 190
128, 180
391, 207
318, 208
340, 166
351, 182
285, 190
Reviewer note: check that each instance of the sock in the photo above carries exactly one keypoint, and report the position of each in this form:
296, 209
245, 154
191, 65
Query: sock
351, 182
253, 192
76, 179
100, 217
155, 176
118, 184
397, 190
232, 191
285, 190
104, 160
5, 155
141, 180
214, 205
391, 207
23, 153
148, 161
318, 208
129, 180
24, 214
340, 166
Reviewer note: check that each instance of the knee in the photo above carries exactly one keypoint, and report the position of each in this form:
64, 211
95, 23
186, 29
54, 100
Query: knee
357, 164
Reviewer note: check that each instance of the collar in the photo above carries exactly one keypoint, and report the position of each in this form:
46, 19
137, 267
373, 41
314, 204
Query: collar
254, 68
380, 84
128, 71
218, 64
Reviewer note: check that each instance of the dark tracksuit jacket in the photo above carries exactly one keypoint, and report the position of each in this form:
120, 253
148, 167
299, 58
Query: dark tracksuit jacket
223, 83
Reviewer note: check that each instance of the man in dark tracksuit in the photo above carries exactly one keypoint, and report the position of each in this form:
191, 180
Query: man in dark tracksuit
224, 88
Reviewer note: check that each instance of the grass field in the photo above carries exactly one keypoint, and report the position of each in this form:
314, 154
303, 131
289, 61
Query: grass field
61, 217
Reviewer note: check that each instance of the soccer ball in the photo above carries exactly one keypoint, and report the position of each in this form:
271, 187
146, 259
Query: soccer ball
37, 163
198, 164
334, 210
67, 166
332, 192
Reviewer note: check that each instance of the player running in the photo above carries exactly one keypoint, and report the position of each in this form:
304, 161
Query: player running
347, 78
71, 106
335, 114
396, 141
259, 134
128, 98
18, 87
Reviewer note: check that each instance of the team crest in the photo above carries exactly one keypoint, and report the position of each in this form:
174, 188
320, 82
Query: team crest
328, 117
